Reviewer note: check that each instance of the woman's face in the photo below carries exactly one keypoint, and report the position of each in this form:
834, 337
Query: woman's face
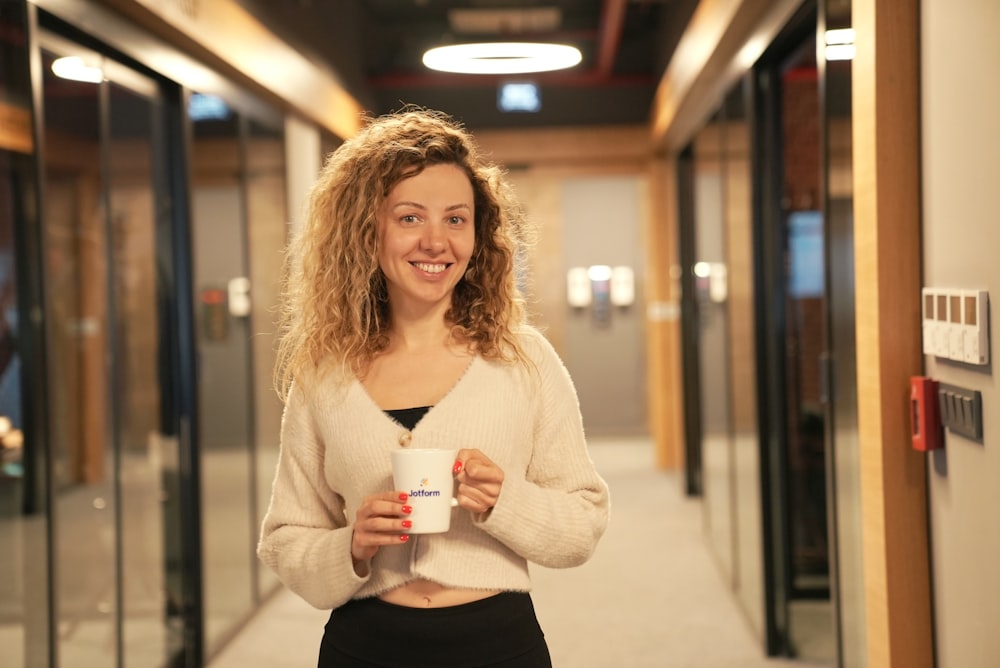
426, 237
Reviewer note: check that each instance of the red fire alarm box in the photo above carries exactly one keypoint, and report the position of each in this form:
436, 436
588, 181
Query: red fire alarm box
925, 414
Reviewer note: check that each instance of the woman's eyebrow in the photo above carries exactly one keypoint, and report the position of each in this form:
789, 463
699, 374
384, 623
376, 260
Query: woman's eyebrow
404, 203
418, 205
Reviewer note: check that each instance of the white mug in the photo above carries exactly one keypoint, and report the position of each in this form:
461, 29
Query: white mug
426, 476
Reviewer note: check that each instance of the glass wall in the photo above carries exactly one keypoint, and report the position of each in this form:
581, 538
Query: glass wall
133, 563
765, 206
801, 236
224, 371
748, 579
721, 272
267, 233
238, 223
109, 447
711, 283
25, 630
843, 448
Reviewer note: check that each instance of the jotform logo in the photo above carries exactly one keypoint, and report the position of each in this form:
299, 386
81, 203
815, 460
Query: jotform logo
425, 492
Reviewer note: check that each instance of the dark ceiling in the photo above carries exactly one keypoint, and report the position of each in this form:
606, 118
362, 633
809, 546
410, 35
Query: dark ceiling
374, 47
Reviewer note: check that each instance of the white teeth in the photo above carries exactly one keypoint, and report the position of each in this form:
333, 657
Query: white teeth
430, 268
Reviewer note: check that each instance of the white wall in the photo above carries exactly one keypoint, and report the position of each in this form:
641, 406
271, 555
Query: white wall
961, 239
602, 219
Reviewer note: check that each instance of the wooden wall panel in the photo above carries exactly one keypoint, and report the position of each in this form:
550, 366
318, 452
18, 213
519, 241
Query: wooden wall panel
887, 274
663, 331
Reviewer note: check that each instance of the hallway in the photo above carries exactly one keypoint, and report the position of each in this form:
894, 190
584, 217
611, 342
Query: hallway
651, 597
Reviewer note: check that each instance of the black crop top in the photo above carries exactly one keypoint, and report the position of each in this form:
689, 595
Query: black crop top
408, 417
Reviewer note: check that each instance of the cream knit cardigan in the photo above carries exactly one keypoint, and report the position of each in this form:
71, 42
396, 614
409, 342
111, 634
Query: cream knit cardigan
335, 445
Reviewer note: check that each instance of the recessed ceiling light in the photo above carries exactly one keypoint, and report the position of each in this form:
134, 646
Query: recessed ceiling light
502, 58
74, 67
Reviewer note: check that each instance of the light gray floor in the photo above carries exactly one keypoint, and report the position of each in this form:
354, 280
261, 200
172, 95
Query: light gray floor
651, 597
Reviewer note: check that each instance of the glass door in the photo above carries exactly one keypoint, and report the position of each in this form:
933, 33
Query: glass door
113, 450
238, 227
794, 310
720, 274
843, 447
222, 295
804, 340
266, 233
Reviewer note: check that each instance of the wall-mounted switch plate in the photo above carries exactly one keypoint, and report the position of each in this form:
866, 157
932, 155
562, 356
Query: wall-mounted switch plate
961, 411
975, 332
956, 324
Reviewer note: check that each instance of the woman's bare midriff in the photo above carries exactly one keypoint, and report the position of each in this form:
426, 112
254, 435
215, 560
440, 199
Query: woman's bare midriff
426, 594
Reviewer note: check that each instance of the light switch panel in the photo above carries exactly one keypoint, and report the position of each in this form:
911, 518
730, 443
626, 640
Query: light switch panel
955, 324
975, 329
961, 411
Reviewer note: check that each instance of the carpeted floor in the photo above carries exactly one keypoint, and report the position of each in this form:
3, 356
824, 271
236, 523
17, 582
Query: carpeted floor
651, 597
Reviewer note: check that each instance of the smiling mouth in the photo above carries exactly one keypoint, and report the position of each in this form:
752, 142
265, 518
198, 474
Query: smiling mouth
430, 268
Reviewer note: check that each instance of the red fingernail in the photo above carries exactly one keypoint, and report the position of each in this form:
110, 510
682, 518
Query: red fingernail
403, 496
407, 509
457, 468
407, 524
404, 538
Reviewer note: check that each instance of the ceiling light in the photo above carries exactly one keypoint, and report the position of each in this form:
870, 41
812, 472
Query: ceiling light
73, 67
840, 51
502, 58
840, 44
840, 36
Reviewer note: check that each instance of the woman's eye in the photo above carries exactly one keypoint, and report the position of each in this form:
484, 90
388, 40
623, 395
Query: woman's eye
408, 219
456, 220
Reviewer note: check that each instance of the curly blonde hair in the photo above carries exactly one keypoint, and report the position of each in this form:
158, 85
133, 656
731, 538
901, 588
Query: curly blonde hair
334, 311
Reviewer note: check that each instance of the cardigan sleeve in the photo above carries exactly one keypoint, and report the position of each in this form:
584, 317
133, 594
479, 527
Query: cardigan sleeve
557, 513
305, 537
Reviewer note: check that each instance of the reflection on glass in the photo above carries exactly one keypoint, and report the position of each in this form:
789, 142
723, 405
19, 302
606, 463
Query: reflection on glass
23, 562
76, 299
12, 524
713, 340
810, 610
740, 253
238, 218
845, 444
104, 343
218, 202
266, 213
142, 448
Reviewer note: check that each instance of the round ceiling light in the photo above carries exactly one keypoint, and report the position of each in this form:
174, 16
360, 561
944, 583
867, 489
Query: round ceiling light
502, 58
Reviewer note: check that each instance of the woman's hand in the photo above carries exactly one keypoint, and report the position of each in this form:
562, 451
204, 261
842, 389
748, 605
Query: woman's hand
479, 481
381, 520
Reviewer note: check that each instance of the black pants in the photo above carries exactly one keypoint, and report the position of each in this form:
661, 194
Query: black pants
500, 631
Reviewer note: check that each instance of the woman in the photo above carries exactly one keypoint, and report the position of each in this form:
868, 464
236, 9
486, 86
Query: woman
403, 326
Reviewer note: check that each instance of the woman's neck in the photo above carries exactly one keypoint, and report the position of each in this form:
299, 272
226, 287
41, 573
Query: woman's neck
412, 332
414, 339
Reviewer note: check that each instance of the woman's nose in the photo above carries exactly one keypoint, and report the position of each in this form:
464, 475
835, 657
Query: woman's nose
433, 238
